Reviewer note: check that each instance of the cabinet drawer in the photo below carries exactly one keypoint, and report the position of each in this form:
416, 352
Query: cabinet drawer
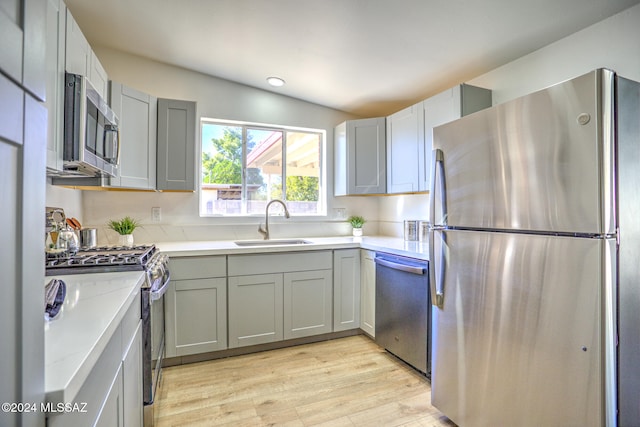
242, 265
198, 267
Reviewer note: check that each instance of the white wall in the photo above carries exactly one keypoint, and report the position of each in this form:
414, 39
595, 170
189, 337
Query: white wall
611, 43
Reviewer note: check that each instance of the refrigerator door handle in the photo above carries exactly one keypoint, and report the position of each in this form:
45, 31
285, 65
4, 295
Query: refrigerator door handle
436, 281
437, 165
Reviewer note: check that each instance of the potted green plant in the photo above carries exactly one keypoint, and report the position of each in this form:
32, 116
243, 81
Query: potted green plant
124, 227
356, 222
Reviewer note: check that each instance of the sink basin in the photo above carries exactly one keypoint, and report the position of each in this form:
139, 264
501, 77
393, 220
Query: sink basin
279, 242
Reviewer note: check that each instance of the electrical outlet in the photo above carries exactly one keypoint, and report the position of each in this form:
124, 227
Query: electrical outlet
156, 215
339, 213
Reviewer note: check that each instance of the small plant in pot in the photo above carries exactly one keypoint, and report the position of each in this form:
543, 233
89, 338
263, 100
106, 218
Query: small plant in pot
124, 227
356, 222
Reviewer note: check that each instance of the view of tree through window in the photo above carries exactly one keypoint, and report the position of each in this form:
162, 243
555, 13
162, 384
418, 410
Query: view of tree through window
243, 168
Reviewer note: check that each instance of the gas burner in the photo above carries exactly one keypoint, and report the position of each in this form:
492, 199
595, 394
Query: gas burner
101, 259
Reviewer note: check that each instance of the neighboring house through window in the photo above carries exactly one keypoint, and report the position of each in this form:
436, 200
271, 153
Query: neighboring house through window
244, 166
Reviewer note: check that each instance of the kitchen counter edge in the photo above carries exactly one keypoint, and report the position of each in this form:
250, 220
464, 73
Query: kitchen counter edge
393, 245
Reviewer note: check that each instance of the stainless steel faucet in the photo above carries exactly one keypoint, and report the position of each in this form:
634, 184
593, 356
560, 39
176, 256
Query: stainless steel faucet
265, 231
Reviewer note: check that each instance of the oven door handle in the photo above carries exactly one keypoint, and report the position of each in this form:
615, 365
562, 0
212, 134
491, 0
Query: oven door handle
158, 293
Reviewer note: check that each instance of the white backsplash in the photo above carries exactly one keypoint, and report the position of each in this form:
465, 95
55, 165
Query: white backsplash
394, 210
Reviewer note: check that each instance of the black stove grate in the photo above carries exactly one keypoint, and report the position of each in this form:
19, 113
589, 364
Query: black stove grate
103, 259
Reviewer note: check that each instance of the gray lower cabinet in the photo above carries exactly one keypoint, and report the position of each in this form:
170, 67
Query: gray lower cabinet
279, 296
176, 158
368, 292
196, 305
308, 303
113, 390
131, 381
346, 298
255, 309
112, 411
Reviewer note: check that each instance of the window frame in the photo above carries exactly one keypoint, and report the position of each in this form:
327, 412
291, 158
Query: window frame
248, 126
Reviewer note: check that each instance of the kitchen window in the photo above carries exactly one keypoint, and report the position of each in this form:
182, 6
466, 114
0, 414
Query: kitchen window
245, 165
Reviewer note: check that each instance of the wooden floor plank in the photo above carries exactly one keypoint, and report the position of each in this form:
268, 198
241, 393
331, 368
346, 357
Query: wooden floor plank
343, 382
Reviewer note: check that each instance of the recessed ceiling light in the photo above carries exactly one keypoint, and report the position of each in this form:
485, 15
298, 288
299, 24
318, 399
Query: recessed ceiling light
275, 81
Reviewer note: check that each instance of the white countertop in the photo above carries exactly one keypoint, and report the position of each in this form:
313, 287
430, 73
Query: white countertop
93, 308
393, 245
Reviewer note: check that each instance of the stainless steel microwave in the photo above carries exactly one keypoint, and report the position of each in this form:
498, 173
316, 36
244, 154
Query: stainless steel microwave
91, 134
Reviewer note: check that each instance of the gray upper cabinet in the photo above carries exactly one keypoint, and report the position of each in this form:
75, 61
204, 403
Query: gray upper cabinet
442, 108
405, 134
137, 112
360, 157
55, 56
176, 160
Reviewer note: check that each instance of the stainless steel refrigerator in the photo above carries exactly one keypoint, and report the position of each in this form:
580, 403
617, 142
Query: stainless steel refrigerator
535, 252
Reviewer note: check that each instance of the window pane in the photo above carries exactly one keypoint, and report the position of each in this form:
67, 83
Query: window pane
221, 169
264, 168
303, 172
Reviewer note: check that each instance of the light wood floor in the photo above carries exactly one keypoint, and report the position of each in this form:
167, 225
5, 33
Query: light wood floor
343, 382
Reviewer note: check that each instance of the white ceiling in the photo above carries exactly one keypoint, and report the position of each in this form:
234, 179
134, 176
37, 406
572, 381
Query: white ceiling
366, 57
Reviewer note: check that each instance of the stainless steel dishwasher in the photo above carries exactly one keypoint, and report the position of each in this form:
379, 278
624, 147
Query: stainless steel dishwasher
403, 309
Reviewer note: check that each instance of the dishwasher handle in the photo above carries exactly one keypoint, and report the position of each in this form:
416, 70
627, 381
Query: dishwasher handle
413, 269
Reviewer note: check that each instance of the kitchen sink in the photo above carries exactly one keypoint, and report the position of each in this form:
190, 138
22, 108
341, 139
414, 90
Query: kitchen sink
279, 242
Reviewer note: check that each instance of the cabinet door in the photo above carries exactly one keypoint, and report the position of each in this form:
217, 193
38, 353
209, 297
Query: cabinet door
308, 299
405, 133
176, 161
366, 154
442, 108
98, 75
196, 316
11, 111
22, 43
78, 51
137, 112
368, 292
131, 381
346, 294
255, 309
111, 414
56, 19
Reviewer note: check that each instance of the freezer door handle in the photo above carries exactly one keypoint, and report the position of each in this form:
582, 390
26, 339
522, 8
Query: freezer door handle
437, 165
436, 282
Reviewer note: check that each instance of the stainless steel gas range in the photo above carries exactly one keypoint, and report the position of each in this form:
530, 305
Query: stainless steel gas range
107, 259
